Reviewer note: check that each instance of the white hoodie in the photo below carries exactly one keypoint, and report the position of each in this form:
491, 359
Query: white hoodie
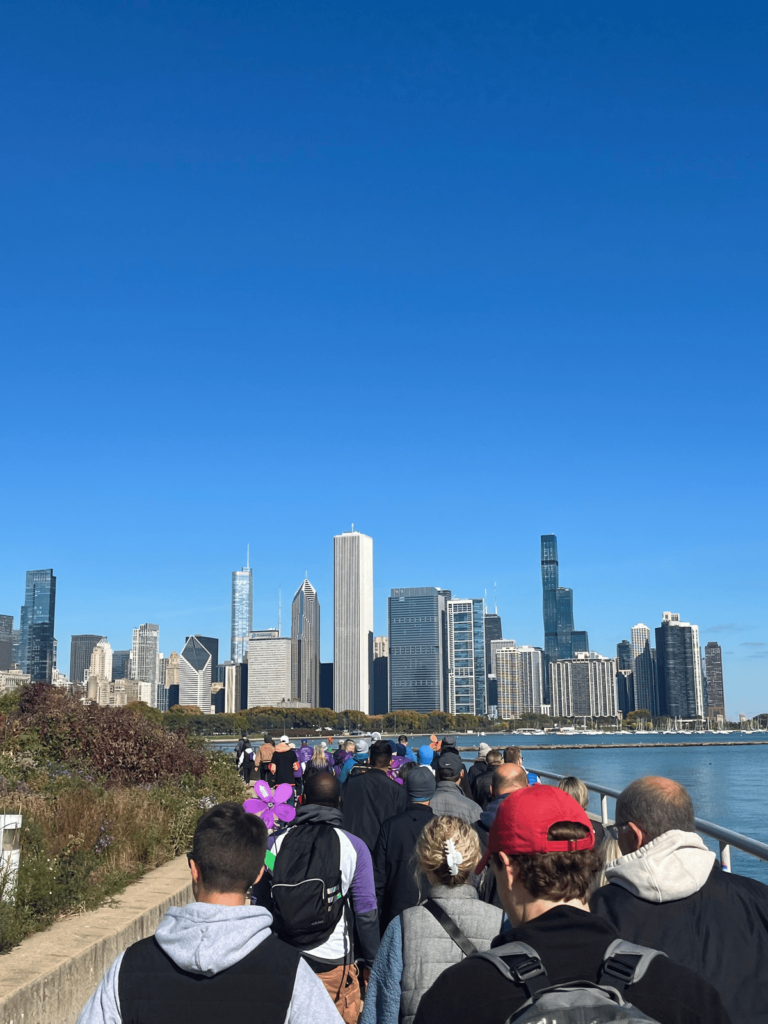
206, 938
674, 865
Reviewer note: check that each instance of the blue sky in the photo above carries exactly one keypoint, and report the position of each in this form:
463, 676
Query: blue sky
461, 277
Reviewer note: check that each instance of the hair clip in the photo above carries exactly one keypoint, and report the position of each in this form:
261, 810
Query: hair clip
453, 857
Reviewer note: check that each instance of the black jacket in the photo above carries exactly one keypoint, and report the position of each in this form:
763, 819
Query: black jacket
571, 944
368, 800
720, 932
476, 769
393, 864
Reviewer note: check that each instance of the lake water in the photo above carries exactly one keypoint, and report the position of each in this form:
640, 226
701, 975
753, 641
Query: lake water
728, 783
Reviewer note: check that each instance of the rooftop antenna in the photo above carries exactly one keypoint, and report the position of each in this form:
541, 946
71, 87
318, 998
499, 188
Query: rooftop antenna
353, 527
485, 600
495, 602
248, 557
280, 612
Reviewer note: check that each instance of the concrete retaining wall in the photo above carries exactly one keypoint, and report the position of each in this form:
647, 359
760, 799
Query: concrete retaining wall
50, 976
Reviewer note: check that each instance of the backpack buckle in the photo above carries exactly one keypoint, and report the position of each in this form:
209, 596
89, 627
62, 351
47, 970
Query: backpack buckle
529, 968
618, 967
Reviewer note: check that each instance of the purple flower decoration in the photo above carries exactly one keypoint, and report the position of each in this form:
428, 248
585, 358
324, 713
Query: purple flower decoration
271, 805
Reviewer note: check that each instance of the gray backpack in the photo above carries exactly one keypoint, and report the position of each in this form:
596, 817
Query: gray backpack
575, 1002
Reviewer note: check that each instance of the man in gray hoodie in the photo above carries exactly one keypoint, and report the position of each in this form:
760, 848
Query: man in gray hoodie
215, 958
667, 891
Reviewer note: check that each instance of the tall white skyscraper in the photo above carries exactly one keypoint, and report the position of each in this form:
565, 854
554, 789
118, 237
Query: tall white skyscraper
195, 675
645, 678
352, 621
144, 651
466, 657
242, 612
101, 660
305, 645
519, 673
269, 668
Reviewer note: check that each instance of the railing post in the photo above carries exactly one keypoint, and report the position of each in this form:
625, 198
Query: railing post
604, 809
725, 856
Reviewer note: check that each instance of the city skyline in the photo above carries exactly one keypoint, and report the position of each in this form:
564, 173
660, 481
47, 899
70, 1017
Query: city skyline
641, 635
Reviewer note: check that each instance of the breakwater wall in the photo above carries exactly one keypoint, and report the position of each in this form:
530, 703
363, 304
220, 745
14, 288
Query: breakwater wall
624, 746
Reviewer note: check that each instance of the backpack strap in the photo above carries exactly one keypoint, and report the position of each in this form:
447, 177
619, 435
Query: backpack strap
526, 968
624, 963
467, 948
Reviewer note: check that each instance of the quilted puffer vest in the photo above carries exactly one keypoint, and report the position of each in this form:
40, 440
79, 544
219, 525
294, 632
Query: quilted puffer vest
428, 949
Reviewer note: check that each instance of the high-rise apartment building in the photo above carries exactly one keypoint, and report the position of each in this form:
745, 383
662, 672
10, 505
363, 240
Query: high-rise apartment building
466, 657
678, 666
146, 646
584, 685
305, 640
101, 660
380, 647
38, 612
519, 675
6, 642
269, 668
196, 668
713, 656
417, 626
80, 652
242, 612
352, 621
172, 672
624, 654
644, 670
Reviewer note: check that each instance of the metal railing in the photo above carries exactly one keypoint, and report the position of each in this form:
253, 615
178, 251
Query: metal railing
724, 836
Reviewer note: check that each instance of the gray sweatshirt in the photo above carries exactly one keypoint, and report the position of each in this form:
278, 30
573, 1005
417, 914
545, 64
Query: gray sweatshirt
206, 938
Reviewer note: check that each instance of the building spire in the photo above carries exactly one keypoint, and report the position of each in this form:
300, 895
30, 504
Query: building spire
248, 557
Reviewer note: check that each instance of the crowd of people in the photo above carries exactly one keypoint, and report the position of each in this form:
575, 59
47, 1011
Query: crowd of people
403, 888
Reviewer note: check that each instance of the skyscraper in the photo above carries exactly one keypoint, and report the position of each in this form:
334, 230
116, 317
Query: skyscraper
80, 652
466, 657
305, 642
37, 624
678, 665
195, 675
492, 623
121, 665
146, 645
242, 612
715, 697
417, 657
269, 668
6, 642
561, 639
624, 654
584, 685
352, 621
519, 674
644, 670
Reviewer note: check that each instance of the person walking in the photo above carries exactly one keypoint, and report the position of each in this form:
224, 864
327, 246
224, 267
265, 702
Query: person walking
370, 797
246, 762
284, 765
216, 951
265, 752
423, 941
448, 798
393, 856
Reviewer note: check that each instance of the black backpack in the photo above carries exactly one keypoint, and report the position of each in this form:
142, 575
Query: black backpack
306, 885
575, 1002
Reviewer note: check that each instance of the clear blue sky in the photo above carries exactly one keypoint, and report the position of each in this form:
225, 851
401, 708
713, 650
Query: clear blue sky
460, 276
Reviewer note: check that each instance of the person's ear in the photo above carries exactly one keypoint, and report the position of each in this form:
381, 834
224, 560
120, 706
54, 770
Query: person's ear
258, 877
195, 872
639, 838
509, 868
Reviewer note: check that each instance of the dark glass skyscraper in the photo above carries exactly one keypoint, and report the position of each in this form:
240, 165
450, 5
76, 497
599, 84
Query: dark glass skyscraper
37, 623
624, 654
6, 642
121, 665
561, 640
80, 653
417, 660
678, 665
380, 694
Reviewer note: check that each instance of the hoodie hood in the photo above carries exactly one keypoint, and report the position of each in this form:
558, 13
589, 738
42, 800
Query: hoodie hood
488, 816
206, 938
671, 867
311, 813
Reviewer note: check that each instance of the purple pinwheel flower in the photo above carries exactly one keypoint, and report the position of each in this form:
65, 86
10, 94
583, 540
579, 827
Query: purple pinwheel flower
270, 805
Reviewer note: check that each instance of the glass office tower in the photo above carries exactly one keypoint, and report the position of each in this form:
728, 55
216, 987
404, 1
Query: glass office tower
466, 658
6, 642
417, 660
713, 656
36, 653
242, 613
644, 670
305, 645
80, 653
678, 666
549, 581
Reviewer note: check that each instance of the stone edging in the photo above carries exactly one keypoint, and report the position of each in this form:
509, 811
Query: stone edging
51, 975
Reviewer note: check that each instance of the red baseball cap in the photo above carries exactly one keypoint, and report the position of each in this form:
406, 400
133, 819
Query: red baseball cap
526, 815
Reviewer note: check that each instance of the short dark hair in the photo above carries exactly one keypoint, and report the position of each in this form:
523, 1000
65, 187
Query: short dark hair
229, 847
402, 739
380, 754
657, 805
559, 876
403, 770
322, 788
512, 755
